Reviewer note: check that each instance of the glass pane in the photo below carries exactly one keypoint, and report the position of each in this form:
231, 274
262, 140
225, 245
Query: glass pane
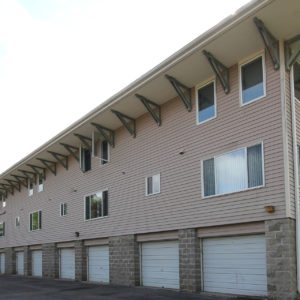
105, 203
1, 229
254, 159
87, 208
209, 177
149, 186
252, 80
297, 79
35, 221
87, 160
231, 172
156, 184
104, 152
206, 102
96, 205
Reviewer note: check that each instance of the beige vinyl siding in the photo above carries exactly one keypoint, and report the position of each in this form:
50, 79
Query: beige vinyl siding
156, 150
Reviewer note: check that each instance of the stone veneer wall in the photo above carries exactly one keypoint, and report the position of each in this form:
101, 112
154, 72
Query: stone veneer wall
10, 261
27, 261
189, 260
124, 263
80, 261
281, 259
50, 261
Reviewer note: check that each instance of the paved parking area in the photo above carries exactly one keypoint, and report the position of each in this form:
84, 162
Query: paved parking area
16, 287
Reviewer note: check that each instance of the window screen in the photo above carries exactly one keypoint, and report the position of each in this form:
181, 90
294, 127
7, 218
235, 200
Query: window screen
206, 102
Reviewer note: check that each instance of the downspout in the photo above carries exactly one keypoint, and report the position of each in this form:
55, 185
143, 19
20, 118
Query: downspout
296, 174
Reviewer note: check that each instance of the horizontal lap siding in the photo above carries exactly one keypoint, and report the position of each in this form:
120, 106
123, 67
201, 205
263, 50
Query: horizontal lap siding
156, 150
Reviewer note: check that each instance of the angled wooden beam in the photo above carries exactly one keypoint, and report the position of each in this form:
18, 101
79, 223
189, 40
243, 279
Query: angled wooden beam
70, 149
128, 122
220, 71
29, 175
21, 179
270, 42
10, 189
62, 159
106, 133
50, 165
12, 183
85, 140
184, 92
149, 106
36, 169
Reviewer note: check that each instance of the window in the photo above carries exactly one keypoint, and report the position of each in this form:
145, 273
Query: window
252, 80
296, 69
104, 152
4, 200
85, 159
30, 187
96, 205
298, 148
41, 184
17, 221
206, 102
35, 220
234, 171
153, 185
63, 209
2, 228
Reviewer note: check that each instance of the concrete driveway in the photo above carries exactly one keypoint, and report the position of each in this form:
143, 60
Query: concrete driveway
16, 287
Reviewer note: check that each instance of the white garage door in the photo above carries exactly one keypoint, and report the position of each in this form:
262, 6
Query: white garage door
2, 263
160, 264
98, 266
20, 263
37, 263
67, 263
235, 265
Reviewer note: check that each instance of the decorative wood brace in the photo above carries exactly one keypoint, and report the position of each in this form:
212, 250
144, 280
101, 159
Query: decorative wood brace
106, 133
36, 170
85, 140
20, 180
62, 159
50, 165
70, 149
128, 122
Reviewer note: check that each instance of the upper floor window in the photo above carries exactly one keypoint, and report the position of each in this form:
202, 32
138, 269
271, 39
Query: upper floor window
296, 69
17, 221
234, 171
30, 187
153, 185
41, 184
104, 152
2, 228
63, 209
35, 220
206, 102
85, 159
4, 200
252, 78
96, 205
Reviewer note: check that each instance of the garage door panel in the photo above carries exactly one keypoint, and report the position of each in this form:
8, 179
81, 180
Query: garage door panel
2, 263
20, 263
235, 265
160, 264
67, 263
37, 263
98, 267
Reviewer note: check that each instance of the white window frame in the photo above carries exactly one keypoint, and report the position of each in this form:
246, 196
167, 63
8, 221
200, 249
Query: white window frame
90, 194
30, 191
233, 150
108, 154
37, 211
18, 219
4, 199
146, 183
40, 185
202, 85
245, 62
3, 223
64, 204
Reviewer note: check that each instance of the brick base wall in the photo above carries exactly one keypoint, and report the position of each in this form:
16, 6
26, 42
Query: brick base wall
124, 263
281, 259
27, 261
50, 261
80, 261
10, 261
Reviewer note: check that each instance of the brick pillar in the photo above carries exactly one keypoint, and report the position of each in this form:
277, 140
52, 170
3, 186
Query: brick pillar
124, 262
189, 260
281, 259
27, 261
50, 261
80, 261
10, 261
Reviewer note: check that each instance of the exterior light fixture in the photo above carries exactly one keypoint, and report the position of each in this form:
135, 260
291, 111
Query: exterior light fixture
270, 208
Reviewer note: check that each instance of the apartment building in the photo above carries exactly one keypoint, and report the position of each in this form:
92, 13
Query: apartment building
186, 179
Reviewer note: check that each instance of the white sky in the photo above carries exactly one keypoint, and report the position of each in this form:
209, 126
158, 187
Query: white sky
59, 59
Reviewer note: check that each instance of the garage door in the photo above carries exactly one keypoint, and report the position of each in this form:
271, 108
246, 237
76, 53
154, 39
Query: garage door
2, 263
98, 267
67, 263
235, 265
20, 263
160, 264
37, 263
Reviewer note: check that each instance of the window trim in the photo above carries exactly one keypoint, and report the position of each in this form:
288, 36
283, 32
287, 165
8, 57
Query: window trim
3, 223
202, 85
63, 203
238, 191
245, 61
39, 221
19, 220
40, 186
84, 210
146, 184
30, 191
101, 154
